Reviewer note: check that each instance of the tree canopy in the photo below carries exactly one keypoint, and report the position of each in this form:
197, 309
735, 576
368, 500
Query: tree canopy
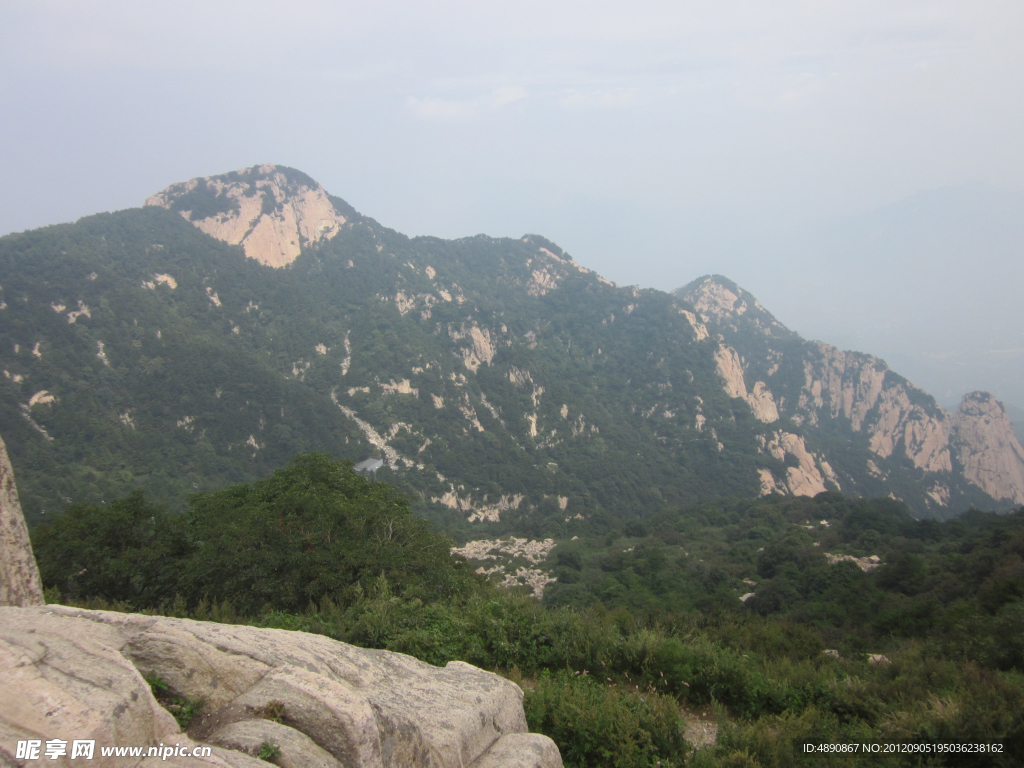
313, 530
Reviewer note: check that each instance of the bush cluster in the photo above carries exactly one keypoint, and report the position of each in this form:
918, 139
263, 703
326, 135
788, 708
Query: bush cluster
611, 682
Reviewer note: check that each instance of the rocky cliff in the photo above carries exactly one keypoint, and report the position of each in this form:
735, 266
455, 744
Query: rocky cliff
818, 388
271, 211
984, 442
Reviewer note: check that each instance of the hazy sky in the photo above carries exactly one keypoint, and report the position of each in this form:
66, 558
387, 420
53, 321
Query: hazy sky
655, 141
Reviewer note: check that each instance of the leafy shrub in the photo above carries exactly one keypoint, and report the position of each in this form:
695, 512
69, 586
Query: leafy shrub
603, 724
313, 530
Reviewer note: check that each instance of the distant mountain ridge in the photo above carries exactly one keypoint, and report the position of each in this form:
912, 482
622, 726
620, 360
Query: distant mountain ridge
239, 319
816, 383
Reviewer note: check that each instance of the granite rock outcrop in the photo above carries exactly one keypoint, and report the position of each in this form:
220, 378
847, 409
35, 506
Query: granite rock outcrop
71, 673
892, 427
985, 444
271, 211
19, 575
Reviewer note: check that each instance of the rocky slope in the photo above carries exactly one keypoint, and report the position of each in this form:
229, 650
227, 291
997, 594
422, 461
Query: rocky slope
272, 213
885, 420
510, 389
986, 446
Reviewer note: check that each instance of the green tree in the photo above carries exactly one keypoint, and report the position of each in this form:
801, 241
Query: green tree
128, 550
314, 529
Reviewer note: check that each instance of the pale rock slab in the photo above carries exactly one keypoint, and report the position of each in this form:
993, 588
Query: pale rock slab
727, 361
542, 281
806, 479
700, 331
852, 385
299, 213
769, 484
67, 670
866, 564
19, 575
848, 382
63, 677
479, 510
521, 750
987, 448
297, 750
481, 349
714, 300
762, 403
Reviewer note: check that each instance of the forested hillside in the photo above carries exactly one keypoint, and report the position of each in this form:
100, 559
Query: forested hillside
508, 388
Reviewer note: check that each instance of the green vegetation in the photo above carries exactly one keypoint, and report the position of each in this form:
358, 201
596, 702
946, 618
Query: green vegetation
313, 530
597, 724
269, 752
606, 396
184, 709
652, 636
961, 581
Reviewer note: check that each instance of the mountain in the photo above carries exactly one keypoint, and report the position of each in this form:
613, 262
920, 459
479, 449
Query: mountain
933, 281
1016, 416
237, 320
862, 412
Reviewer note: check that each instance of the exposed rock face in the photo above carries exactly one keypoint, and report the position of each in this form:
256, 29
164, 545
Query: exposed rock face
520, 750
987, 447
853, 386
19, 574
513, 559
700, 331
270, 211
481, 347
720, 302
479, 510
730, 369
866, 564
66, 679
816, 386
805, 479
70, 673
762, 403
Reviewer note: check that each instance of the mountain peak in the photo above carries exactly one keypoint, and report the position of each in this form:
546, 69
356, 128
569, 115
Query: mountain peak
723, 304
272, 211
991, 455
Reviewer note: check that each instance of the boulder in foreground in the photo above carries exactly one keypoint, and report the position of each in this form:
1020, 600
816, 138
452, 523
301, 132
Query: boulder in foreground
71, 674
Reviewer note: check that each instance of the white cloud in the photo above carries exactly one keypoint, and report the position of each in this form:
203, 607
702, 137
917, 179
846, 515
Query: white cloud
615, 98
459, 110
442, 110
507, 94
